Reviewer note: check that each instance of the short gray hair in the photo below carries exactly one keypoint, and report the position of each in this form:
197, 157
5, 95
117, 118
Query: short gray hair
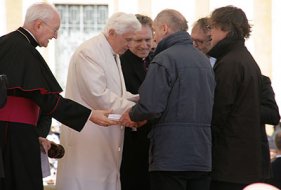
122, 23
43, 11
174, 19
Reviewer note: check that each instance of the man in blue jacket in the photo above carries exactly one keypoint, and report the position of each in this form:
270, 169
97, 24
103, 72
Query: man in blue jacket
178, 92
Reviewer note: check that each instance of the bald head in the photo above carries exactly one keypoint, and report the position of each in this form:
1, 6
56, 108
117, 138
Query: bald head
174, 19
167, 22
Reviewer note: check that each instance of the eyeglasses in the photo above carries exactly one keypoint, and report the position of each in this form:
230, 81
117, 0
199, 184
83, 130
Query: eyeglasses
201, 42
50, 28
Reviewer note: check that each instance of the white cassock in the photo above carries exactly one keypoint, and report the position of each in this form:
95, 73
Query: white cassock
93, 156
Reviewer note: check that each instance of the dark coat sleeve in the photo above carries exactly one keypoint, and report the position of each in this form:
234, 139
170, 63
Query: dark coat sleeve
44, 125
269, 109
66, 111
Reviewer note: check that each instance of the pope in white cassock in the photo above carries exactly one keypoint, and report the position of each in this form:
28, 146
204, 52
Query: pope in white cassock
93, 156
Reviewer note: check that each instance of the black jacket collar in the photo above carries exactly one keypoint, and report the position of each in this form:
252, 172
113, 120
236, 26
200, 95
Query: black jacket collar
224, 46
176, 38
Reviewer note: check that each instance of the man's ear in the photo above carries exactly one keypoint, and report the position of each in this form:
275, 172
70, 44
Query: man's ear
165, 29
111, 32
37, 25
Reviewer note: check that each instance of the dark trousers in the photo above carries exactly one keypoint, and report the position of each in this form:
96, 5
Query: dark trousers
170, 180
221, 185
134, 167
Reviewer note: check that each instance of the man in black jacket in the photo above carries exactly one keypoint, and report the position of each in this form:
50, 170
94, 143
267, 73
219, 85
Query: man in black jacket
237, 114
135, 61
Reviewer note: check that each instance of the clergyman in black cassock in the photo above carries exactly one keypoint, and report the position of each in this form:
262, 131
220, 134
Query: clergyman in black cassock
32, 89
134, 166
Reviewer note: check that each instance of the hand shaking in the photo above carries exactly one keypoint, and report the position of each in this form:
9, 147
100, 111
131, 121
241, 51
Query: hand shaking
126, 121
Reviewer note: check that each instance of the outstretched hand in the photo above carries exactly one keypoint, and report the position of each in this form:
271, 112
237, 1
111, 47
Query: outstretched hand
100, 117
126, 121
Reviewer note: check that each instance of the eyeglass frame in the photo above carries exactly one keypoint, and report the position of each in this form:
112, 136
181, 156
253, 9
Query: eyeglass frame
201, 42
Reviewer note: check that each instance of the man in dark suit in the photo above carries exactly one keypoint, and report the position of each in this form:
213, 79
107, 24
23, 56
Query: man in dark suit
276, 164
134, 167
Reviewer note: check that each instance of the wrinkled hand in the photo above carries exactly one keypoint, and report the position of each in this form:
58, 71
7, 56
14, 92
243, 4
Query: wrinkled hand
45, 144
126, 120
100, 117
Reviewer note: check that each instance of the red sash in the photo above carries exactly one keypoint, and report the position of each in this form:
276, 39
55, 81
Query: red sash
20, 110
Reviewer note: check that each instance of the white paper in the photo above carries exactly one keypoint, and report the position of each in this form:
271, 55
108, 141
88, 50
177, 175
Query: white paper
45, 165
114, 117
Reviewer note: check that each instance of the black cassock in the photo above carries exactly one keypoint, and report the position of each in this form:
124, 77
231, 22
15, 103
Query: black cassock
31, 80
134, 166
